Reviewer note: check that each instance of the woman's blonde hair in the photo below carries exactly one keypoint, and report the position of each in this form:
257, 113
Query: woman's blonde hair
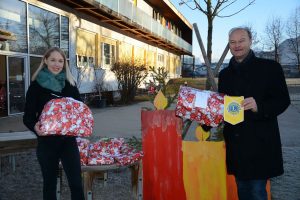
69, 75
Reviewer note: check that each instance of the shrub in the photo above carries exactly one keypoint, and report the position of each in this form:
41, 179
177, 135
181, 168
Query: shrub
159, 82
129, 75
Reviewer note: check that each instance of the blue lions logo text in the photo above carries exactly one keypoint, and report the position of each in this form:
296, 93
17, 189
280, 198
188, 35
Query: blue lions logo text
234, 108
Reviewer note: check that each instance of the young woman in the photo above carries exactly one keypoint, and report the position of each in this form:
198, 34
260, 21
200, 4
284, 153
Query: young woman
52, 80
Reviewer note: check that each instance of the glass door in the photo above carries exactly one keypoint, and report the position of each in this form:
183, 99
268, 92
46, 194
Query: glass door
3, 87
16, 83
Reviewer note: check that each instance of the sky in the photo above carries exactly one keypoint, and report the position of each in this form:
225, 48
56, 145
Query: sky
256, 15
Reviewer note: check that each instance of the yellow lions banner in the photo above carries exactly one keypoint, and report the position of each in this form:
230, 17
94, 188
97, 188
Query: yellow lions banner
233, 111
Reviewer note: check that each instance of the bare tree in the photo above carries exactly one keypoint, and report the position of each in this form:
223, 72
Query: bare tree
212, 9
293, 32
255, 39
44, 33
274, 35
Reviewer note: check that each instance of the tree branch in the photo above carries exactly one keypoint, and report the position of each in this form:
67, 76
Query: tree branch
226, 5
198, 6
218, 5
186, 3
250, 3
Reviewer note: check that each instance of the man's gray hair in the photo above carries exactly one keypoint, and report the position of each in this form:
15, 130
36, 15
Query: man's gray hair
244, 28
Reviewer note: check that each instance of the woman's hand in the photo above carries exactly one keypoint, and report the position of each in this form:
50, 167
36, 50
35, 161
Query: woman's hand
250, 104
37, 128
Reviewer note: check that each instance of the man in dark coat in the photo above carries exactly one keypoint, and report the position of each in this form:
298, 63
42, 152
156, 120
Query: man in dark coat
253, 147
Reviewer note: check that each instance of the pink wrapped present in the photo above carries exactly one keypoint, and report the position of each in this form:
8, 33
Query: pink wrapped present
127, 159
66, 116
113, 146
98, 154
112, 150
128, 155
104, 151
202, 106
83, 146
95, 159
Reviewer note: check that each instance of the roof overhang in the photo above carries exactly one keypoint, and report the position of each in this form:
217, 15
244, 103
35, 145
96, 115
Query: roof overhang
171, 13
106, 16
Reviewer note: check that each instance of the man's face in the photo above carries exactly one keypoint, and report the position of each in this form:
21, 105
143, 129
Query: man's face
239, 44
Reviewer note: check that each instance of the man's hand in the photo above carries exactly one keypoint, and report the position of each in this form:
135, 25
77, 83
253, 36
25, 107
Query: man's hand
250, 104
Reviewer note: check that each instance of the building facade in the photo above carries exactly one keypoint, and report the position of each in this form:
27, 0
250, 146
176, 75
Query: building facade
289, 56
94, 34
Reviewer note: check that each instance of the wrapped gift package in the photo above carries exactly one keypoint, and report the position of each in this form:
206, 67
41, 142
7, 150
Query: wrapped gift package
83, 146
202, 106
103, 151
108, 151
66, 116
97, 156
129, 157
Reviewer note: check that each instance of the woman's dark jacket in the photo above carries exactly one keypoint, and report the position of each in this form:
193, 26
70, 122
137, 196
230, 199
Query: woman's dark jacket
253, 147
37, 97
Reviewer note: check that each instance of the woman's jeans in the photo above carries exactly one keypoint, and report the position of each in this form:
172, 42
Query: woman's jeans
51, 150
252, 189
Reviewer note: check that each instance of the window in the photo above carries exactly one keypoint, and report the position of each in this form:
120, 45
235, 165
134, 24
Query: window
107, 55
151, 58
34, 64
86, 43
139, 55
13, 19
43, 30
160, 60
64, 42
85, 61
46, 29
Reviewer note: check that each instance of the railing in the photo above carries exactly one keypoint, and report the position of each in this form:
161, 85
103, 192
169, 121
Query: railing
127, 9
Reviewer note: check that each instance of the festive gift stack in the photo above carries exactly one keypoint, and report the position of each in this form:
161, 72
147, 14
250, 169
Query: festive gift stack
202, 106
108, 151
83, 146
128, 155
66, 116
103, 151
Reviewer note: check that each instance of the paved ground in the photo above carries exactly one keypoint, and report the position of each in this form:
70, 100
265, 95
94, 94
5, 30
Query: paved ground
119, 121
25, 182
287, 187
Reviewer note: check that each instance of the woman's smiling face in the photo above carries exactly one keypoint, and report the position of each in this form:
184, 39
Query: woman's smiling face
55, 62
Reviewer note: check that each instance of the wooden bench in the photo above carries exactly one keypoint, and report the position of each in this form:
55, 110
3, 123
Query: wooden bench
90, 173
16, 142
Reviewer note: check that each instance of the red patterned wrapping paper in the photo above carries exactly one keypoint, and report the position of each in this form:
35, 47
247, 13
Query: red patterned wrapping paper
66, 116
128, 155
83, 146
211, 114
103, 151
129, 158
112, 151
